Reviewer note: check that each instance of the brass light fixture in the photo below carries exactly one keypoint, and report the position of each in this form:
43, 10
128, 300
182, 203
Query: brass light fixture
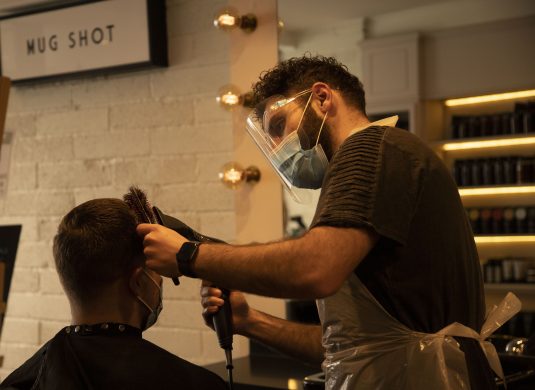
230, 97
233, 175
228, 19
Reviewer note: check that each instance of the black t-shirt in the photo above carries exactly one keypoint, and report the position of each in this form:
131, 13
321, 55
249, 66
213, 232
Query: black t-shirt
111, 358
424, 270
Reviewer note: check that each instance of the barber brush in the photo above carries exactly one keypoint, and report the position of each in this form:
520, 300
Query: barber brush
137, 201
222, 320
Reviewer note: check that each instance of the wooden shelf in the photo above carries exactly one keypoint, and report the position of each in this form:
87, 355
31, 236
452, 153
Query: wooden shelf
528, 288
465, 144
518, 189
501, 239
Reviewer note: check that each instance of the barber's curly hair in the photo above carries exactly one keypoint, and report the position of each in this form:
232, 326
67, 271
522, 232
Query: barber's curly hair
299, 73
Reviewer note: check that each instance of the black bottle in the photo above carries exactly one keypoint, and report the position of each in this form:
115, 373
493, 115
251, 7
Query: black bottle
462, 127
487, 172
497, 124
528, 121
485, 221
474, 126
497, 221
509, 221
521, 220
473, 215
485, 123
506, 123
498, 170
509, 169
525, 170
455, 127
516, 123
457, 166
531, 221
477, 166
466, 173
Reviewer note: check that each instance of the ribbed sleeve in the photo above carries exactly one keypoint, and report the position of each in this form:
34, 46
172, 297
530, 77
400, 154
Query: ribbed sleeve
348, 195
373, 181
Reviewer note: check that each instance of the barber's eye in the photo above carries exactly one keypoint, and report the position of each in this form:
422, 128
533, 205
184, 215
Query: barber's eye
276, 128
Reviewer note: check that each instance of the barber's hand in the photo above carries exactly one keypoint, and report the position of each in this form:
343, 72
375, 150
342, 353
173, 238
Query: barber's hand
160, 247
211, 302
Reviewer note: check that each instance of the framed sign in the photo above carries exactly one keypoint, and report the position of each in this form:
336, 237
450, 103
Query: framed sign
95, 36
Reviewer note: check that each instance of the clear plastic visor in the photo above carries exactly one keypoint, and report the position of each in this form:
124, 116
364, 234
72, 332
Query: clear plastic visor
275, 126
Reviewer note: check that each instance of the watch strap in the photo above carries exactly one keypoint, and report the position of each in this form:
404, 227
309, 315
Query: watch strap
186, 256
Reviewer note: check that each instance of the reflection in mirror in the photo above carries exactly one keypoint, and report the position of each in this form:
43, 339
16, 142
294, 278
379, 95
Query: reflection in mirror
451, 38
339, 29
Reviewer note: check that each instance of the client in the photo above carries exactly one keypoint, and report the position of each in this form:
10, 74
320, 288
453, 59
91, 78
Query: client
113, 298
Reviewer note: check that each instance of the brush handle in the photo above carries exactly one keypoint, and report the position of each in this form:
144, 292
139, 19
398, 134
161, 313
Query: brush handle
159, 219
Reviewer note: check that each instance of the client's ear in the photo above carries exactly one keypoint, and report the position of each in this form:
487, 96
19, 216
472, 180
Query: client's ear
136, 281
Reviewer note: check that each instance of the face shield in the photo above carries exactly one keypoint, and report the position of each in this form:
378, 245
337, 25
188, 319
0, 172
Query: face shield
277, 127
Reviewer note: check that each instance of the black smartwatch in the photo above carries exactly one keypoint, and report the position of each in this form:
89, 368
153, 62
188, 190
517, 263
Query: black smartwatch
186, 256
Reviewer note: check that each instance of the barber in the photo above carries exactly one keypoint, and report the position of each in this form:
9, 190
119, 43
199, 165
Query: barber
389, 257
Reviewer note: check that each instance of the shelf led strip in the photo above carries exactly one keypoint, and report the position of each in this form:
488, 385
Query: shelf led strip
503, 239
490, 98
497, 190
491, 143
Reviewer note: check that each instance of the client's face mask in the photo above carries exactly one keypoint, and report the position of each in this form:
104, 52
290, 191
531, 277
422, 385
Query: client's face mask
154, 313
303, 168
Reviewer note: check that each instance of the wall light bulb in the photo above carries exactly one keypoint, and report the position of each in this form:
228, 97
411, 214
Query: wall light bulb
229, 18
232, 175
229, 96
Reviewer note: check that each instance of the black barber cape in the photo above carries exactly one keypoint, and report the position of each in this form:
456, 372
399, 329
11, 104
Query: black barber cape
107, 356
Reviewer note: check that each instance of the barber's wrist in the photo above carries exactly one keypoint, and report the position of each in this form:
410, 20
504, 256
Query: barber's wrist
185, 258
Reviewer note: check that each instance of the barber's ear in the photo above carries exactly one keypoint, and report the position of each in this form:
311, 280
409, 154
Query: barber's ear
323, 94
137, 281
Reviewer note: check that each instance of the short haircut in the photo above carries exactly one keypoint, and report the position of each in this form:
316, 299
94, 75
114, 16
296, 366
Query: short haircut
96, 244
300, 73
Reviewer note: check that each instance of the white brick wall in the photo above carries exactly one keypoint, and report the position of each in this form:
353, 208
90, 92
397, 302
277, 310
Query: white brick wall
75, 140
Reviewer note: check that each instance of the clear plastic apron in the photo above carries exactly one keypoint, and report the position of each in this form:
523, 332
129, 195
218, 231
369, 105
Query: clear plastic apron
367, 348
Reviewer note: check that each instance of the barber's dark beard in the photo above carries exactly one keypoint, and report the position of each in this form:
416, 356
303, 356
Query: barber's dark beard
312, 124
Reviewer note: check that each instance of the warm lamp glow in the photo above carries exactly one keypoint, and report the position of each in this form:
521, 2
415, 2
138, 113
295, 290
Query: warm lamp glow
503, 239
490, 98
232, 175
228, 19
229, 97
497, 190
491, 143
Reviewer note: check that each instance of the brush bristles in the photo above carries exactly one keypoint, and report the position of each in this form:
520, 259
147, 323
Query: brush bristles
136, 199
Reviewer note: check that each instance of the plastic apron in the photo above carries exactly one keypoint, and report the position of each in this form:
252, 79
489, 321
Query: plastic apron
367, 348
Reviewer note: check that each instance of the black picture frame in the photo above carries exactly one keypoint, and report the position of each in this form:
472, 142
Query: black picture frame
158, 50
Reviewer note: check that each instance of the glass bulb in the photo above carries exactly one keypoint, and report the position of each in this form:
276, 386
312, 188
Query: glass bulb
229, 96
232, 175
227, 19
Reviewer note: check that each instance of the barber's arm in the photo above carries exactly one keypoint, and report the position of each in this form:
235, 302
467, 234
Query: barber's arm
301, 341
312, 266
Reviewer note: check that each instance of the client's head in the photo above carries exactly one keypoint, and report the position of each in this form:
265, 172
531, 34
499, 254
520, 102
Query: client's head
100, 262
